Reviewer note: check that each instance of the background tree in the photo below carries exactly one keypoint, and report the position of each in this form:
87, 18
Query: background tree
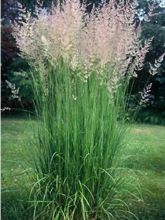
154, 28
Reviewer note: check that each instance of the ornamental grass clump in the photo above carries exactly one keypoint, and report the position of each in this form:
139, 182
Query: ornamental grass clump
81, 65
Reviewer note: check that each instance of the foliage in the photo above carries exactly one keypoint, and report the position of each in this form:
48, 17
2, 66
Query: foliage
154, 28
80, 66
11, 61
13, 11
77, 146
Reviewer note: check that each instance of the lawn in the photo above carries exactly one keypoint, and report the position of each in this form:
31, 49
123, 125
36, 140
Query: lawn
144, 154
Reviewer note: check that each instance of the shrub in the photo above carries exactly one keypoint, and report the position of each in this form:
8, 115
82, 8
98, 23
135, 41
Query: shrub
81, 65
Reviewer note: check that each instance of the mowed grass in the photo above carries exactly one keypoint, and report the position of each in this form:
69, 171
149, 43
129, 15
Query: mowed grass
144, 153
16, 144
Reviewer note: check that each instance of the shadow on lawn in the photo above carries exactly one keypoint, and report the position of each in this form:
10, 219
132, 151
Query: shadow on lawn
15, 206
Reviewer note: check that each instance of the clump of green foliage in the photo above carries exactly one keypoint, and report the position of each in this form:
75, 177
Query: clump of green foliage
79, 82
77, 148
